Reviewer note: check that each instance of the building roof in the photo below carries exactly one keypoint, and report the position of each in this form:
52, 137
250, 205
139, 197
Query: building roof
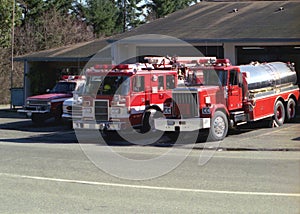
78, 52
211, 21
226, 21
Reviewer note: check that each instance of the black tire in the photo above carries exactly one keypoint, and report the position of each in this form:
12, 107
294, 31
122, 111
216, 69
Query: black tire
173, 136
148, 120
279, 114
58, 114
219, 127
290, 110
38, 118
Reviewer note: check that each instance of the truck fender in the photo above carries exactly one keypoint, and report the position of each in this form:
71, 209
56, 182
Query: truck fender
219, 107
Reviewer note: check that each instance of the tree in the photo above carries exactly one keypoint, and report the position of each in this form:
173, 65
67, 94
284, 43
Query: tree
63, 6
102, 15
130, 14
32, 9
160, 8
7, 15
9, 18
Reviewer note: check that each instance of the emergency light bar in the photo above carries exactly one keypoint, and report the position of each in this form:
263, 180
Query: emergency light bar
70, 77
121, 67
223, 62
185, 61
104, 66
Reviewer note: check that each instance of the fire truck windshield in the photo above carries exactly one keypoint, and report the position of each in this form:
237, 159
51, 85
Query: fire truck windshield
208, 77
64, 87
107, 85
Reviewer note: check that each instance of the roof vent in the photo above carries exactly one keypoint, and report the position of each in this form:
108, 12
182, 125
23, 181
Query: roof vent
235, 10
280, 8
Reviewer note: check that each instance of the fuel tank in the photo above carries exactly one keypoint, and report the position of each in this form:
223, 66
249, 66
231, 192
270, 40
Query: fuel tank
273, 74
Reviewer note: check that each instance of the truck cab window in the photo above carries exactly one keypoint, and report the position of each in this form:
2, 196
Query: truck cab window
139, 84
215, 77
233, 80
161, 83
170, 81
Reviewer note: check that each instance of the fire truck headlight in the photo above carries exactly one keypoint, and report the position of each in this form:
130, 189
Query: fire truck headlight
87, 111
115, 110
119, 98
116, 98
86, 103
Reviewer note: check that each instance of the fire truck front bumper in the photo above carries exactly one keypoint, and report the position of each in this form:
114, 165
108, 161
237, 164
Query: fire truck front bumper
192, 124
109, 126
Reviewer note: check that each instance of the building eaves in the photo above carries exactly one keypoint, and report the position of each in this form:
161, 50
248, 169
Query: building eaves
77, 52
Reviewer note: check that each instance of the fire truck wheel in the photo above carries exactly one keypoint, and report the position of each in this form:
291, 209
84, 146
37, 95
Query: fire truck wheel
148, 121
219, 127
290, 109
279, 113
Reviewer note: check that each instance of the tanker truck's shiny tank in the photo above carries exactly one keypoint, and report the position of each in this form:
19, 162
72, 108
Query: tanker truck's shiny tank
273, 74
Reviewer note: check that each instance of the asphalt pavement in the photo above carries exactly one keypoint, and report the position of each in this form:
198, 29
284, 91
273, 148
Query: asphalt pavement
285, 138
45, 170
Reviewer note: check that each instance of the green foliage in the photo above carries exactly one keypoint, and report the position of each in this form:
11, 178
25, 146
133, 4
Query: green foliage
130, 14
32, 10
64, 6
102, 15
6, 19
160, 8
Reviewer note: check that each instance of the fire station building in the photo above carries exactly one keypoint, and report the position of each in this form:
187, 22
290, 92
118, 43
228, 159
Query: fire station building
241, 31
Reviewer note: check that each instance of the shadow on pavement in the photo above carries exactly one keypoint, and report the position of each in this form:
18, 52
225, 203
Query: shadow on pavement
58, 133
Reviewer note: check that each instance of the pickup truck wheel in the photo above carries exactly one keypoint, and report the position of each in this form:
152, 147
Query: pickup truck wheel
279, 114
219, 127
58, 113
38, 118
290, 109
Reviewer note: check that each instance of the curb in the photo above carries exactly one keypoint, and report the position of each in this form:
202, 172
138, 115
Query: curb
250, 149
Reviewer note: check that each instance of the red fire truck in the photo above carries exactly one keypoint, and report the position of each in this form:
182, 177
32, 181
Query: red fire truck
218, 95
128, 95
42, 107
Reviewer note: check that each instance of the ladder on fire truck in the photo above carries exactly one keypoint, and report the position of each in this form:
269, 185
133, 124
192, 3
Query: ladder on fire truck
163, 62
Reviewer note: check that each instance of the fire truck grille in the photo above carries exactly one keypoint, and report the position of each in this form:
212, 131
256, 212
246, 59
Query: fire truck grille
101, 110
186, 104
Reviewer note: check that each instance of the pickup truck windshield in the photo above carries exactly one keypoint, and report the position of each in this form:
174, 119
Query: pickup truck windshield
64, 87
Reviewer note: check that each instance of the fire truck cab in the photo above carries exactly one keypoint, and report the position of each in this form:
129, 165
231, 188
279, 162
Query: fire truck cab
124, 96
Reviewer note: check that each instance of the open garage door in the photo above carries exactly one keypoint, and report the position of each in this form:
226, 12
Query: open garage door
216, 51
246, 54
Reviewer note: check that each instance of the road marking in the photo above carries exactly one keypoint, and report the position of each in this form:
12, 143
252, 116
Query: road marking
152, 187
